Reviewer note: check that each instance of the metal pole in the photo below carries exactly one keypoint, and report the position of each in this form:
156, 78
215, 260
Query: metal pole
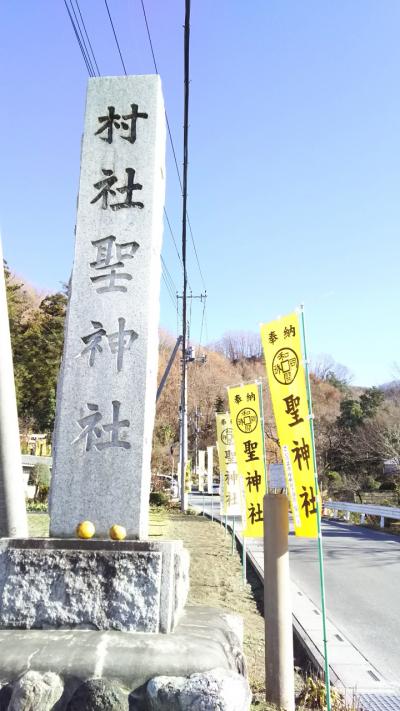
183, 433
279, 674
13, 519
168, 368
184, 224
320, 551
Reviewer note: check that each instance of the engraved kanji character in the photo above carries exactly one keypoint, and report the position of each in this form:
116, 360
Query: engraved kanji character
132, 117
110, 121
128, 189
93, 341
105, 187
121, 341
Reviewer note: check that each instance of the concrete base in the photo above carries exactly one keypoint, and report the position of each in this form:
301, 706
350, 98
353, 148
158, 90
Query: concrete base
135, 586
204, 639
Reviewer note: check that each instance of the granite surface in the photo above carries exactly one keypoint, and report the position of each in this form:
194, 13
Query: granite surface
131, 586
107, 386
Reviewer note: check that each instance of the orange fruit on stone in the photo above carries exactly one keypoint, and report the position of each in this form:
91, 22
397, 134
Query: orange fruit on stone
85, 529
117, 533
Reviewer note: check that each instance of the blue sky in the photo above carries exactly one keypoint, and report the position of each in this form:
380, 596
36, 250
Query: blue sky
294, 177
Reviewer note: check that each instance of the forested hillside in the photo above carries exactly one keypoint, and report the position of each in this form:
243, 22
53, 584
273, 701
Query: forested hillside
356, 429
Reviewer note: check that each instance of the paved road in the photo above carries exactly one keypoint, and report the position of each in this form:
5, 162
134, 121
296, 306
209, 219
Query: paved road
362, 578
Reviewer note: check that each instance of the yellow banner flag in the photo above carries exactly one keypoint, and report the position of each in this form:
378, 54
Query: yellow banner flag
248, 434
287, 381
229, 480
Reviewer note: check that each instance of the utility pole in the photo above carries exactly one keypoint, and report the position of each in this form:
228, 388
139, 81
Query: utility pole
183, 433
188, 356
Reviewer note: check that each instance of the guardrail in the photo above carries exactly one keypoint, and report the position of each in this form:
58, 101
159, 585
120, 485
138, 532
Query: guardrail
363, 509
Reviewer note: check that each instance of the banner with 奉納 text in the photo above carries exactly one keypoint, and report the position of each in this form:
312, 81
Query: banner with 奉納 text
287, 382
248, 433
229, 480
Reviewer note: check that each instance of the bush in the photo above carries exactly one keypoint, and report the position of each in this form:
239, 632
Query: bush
36, 506
335, 480
388, 486
370, 484
159, 498
40, 477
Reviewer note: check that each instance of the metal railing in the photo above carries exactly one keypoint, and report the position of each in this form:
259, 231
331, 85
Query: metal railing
363, 509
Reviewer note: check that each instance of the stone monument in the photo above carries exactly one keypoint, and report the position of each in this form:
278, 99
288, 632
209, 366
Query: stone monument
107, 387
106, 392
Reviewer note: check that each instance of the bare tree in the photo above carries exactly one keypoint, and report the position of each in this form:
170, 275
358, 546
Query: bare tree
325, 368
235, 345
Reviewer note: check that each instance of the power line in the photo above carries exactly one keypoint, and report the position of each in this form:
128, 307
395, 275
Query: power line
115, 36
87, 37
202, 319
167, 273
81, 45
123, 64
170, 294
172, 146
82, 39
172, 235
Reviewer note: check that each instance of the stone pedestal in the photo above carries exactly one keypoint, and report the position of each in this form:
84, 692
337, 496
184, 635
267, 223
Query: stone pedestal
133, 586
199, 665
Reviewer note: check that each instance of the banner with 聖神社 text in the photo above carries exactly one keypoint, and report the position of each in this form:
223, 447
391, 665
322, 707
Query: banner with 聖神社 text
287, 381
229, 480
248, 433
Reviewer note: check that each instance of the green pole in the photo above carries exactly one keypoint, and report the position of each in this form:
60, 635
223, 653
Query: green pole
260, 395
320, 551
233, 534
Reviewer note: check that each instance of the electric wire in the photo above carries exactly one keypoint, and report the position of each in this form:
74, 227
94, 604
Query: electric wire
173, 147
202, 319
88, 65
155, 64
83, 39
172, 235
171, 296
168, 275
169, 282
115, 36
174, 241
87, 37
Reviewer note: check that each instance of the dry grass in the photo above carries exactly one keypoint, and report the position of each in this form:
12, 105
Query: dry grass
38, 524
